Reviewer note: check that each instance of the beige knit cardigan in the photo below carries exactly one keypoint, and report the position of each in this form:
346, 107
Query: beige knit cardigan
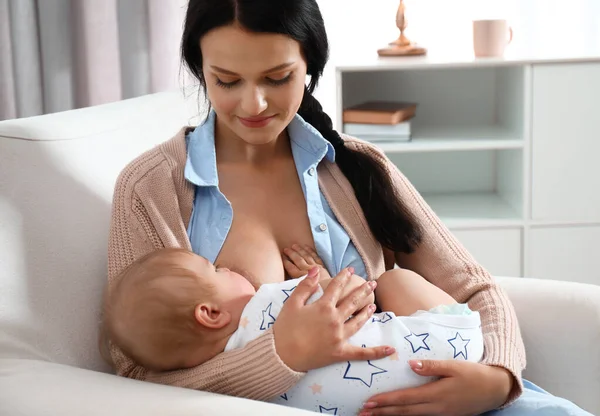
152, 207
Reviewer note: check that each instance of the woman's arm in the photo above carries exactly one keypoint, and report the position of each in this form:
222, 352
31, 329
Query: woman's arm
141, 225
443, 261
148, 207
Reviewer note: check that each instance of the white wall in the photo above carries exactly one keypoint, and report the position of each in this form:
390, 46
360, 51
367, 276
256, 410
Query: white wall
358, 28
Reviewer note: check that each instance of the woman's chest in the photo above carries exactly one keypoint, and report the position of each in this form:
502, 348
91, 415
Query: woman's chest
269, 214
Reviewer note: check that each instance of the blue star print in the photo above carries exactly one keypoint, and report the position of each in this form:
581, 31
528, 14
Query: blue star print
287, 293
361, 369
461, 345
382, 319
419, 340
331, 411
267, 318
284, 396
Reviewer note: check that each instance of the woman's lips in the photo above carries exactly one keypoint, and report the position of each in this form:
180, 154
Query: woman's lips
256, 122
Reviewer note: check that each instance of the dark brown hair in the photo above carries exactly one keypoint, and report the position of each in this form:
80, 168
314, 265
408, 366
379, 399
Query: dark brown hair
389, 219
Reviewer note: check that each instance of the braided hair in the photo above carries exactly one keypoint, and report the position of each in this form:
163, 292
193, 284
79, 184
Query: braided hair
390, 221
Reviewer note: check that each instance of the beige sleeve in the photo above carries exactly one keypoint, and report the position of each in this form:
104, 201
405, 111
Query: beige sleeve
443, 261
254, 372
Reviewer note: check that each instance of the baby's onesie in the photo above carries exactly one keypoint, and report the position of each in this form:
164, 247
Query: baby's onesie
446, 332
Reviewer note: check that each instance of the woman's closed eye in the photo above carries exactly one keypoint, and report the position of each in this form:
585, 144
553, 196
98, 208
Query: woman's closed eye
271, 81
227, 85
280, 81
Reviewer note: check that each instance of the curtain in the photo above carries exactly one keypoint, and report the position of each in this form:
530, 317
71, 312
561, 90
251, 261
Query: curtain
57, 55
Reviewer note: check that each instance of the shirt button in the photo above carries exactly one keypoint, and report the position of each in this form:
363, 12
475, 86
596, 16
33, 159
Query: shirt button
311, 171
323, 227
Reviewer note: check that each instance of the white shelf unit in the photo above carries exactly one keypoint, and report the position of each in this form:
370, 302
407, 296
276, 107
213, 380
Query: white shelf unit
466, 153
505, 152
468, 188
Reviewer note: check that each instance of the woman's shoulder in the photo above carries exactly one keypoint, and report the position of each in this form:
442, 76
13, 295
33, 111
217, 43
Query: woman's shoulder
364, 146
168, 158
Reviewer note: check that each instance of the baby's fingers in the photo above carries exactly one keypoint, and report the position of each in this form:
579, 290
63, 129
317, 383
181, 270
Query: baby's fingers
292, 270
311, 251
296, 257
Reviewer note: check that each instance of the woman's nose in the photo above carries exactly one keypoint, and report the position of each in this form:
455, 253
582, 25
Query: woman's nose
254, 101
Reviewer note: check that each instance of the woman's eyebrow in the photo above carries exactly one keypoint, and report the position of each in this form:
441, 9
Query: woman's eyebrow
274, 69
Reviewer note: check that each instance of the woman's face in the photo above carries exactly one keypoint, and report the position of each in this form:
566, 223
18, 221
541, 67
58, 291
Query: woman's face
255, 81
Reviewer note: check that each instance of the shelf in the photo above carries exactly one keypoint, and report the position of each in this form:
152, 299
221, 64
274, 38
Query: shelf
441, 59
455, 139
473, 209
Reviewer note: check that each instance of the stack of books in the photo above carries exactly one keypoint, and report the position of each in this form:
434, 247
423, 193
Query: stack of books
380, 121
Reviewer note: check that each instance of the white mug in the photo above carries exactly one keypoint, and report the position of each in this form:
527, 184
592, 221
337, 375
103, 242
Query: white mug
490, 37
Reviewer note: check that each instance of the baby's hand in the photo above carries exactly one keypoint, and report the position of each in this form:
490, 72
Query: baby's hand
299, 260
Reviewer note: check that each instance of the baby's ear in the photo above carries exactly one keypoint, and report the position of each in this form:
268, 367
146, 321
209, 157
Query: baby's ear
211, 316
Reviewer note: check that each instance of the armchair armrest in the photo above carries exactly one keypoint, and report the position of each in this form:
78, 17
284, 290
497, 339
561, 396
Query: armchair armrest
560, 324
39, 388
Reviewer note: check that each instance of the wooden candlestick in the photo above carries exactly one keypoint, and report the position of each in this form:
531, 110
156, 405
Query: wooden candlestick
401, 24
402, 46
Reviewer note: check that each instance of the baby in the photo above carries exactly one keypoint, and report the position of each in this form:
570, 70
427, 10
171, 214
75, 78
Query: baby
173, 309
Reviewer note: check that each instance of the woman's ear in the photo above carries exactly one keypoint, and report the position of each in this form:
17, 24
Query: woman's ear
211, 316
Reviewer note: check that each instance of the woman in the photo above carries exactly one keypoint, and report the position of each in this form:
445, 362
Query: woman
266, 170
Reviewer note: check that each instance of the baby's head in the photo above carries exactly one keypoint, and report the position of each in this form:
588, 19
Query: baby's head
173, 309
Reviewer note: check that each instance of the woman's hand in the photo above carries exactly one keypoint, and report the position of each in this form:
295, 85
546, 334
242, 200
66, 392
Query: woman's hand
464, 389
315, 335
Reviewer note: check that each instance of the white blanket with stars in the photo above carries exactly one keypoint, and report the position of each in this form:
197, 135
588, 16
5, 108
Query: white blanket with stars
342, 388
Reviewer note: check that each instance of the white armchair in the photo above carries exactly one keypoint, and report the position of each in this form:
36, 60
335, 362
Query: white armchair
57, 174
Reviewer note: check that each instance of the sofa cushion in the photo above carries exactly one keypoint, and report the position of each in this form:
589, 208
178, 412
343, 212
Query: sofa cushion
68, 391
57, 175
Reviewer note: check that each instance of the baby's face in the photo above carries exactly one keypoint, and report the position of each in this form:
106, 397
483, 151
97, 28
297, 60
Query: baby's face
233, 290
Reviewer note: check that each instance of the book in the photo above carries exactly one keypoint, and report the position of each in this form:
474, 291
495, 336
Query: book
362, 129
379, 112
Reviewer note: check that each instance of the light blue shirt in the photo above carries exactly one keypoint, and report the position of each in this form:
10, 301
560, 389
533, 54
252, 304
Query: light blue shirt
212, 213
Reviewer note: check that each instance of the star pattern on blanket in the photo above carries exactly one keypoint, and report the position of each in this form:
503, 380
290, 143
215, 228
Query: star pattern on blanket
267, 318
362, 371
316, 388
418, 340
288, 292
284, 396
459, 344
386, 317
328, 411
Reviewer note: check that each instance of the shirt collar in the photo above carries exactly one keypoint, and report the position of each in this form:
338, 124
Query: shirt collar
201, 164
304, 135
